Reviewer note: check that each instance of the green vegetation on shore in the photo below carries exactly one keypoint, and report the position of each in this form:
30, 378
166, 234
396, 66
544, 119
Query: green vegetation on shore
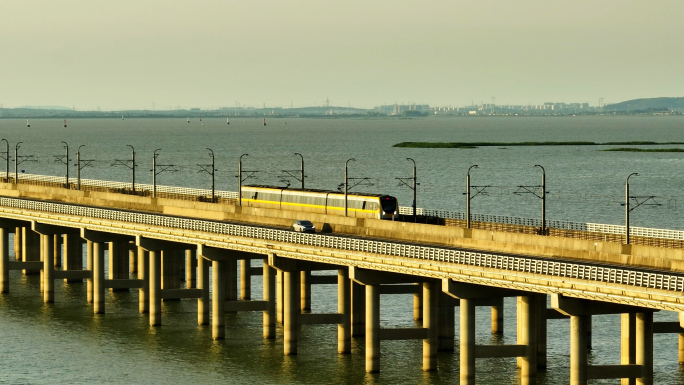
502, 144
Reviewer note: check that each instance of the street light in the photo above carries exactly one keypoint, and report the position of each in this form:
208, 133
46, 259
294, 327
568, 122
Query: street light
132, 169
16, 163
66, 161
154, 173
301, 169
543, 198
414, 188
627, 210
7, 161
78, 165
211, 153
240, 179
346, 179
468, 195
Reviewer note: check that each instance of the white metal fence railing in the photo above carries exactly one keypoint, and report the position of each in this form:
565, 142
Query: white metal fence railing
564, 225
605, 274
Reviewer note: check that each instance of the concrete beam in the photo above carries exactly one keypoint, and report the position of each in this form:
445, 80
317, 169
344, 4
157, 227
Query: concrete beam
123, 284
181, 293
667, 327
320, 318
42, 228
283, 264
580, 307
373, 277
555, 314
323, 279
462, 290
403, 334
246, 305
150, 244
597, 372
11, 224
73, 274
500, 351
257, 270
401, 289
101, 237
28, 265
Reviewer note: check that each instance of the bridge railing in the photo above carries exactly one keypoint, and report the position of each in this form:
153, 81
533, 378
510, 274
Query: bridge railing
595, 273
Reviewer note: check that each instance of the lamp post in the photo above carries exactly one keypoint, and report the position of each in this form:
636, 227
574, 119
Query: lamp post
211, 154
78, 165
133, 169
6, 160
154, 173
346, 180
468, 195
240, 179
301, 168
66, 162
415, 184
627, 210
16, 163
543, 199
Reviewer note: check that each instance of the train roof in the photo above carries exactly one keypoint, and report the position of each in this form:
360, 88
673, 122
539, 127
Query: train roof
312, 190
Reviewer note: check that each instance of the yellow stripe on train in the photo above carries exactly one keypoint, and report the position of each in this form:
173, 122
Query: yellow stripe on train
307, 205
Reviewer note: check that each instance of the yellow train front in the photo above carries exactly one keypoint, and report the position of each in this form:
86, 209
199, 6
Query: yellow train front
359, 205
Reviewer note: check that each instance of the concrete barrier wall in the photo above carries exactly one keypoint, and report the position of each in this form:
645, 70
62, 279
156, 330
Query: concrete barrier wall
486, 240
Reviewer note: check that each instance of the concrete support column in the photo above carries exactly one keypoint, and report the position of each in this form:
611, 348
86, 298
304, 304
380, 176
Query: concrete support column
681, 339
118, 261
358, 312
372, 328
644, 347
446, 323
528, 369
245, 280
305, 290
540, 311
218, 300
431, 293
98, 278
89, 267
467, 343
18, 243
203, 304
191, 265
144, 275
57, 252
172, 263
72, 249
344, 308
279, 297
230, 266
269, 290
155, 274
291, 311
133, 259
498, 318
418, 305
4, 260
48, 248
578, 350
628, 343
30, 248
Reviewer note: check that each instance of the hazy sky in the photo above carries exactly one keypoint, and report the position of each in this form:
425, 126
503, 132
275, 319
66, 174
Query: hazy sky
130, 54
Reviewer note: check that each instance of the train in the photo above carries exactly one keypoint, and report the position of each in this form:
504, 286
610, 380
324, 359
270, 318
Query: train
359, 205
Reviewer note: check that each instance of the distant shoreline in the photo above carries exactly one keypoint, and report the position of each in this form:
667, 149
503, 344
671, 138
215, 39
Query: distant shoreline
471, 145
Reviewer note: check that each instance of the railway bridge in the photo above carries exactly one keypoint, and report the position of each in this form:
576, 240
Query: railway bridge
169, 247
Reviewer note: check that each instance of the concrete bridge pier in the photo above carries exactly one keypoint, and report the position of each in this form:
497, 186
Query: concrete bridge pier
446, 322
4, 260
89, 267
57, 250
47, 250
119, 261
305, 290
245, 279
218, 300
269, 296
191, 266
203, 304
132, 258
279, 297
143, 259
72, 249
172, 261
636, 336
291, 298
30, 249
18, 243
358, 311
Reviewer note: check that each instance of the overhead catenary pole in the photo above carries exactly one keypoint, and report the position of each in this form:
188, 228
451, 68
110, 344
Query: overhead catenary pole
7, 157
66, 162
543, 199
346, 183
16, 163
154, 173
211, 153
240, 179
468, 195
415, 184
301, 169
78, 165
627, 210
132, 169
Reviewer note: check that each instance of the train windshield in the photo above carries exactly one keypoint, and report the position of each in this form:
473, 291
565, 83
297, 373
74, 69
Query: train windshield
389, 204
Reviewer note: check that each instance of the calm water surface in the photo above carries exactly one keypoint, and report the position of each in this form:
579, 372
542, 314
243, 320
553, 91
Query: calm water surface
65, 343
